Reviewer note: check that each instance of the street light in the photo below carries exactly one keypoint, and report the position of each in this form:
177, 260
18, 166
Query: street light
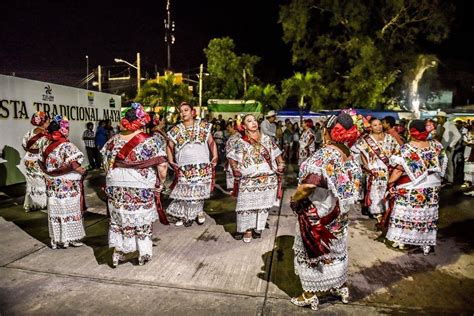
87, 72
137, 67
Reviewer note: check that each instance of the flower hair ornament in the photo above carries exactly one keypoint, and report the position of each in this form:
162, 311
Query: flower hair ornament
63, 127
39, 118
142, 118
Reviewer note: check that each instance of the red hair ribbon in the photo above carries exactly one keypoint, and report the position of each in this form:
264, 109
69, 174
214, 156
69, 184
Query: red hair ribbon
341, 135
131, 126
419, 135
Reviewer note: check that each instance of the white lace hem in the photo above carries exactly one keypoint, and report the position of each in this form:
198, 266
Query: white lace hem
254, 219
185, 210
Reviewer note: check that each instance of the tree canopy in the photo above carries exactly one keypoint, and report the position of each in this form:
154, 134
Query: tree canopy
362, 49
229, 74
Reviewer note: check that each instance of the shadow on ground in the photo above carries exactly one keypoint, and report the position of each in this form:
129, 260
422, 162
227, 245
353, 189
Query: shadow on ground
280, 261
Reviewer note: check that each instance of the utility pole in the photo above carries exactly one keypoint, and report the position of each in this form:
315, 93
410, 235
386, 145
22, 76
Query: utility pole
169, 29
99, 73
87, 72
201, 69
139, 74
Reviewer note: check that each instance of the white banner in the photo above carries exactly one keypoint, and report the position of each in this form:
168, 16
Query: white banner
21, 98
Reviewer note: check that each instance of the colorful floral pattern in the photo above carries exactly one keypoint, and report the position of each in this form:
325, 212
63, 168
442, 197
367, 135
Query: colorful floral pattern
198, 133
344, 178
150, 148
420, 161
130, 199
62, 188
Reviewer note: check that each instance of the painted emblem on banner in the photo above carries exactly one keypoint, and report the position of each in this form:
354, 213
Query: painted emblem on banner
48, 96
112, 102
90, 97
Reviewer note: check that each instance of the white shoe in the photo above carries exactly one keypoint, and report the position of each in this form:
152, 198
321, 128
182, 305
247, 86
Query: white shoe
54, 245
201, 218
399, 246
343, 293
179, 223
313, 301
426, 250
76, 243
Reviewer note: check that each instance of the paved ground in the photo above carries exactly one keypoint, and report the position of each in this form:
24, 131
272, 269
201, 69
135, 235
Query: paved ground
202, 270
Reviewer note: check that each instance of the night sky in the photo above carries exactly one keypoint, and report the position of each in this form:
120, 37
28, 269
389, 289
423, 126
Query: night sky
48, 40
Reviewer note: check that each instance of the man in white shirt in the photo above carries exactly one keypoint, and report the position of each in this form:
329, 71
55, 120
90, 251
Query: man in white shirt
448, 134
268, 127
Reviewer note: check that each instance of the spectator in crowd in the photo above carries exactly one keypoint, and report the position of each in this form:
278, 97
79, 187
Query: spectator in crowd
287, 140
220, 142
318, 135
296, 142
268, 127
388, 124
279, 134
100, 135
89, 141
109, 129
449, 136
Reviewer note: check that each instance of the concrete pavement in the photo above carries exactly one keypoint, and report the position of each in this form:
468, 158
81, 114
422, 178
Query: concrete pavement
202, 270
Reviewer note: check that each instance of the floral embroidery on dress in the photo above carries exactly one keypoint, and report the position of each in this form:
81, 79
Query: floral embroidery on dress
150, 148
129, 198
344, 178
418, 162
198, 133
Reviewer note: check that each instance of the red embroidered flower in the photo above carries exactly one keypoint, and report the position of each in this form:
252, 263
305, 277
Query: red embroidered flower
414, 156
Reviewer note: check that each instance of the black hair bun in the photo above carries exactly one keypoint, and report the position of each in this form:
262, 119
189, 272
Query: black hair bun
345, 120
419, 125
53, 127
130, 115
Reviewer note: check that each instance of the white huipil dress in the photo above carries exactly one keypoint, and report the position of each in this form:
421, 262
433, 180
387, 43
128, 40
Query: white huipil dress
131, 195
65, 219
343, 179
387, 147
414, 218
35, 197
259, 182
195, 170
305, 138
229, 147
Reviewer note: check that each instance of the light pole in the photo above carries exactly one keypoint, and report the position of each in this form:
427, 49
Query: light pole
137, 67
87, 72
201, 73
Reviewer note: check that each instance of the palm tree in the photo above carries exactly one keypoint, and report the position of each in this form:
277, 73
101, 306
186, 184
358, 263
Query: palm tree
304, 86
164, 93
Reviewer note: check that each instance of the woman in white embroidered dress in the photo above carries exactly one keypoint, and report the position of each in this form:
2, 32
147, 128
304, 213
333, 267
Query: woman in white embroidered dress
61, 162
375, 151
329, 187
468, 141
414, 188
189, 147
307, 145
257, 163
135, 166
229, 147
35, 197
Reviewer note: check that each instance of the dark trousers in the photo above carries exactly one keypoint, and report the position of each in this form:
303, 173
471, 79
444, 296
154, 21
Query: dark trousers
94, 157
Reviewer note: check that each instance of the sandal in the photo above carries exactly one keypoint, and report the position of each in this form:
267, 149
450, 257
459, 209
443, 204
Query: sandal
247, 236
313, 301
